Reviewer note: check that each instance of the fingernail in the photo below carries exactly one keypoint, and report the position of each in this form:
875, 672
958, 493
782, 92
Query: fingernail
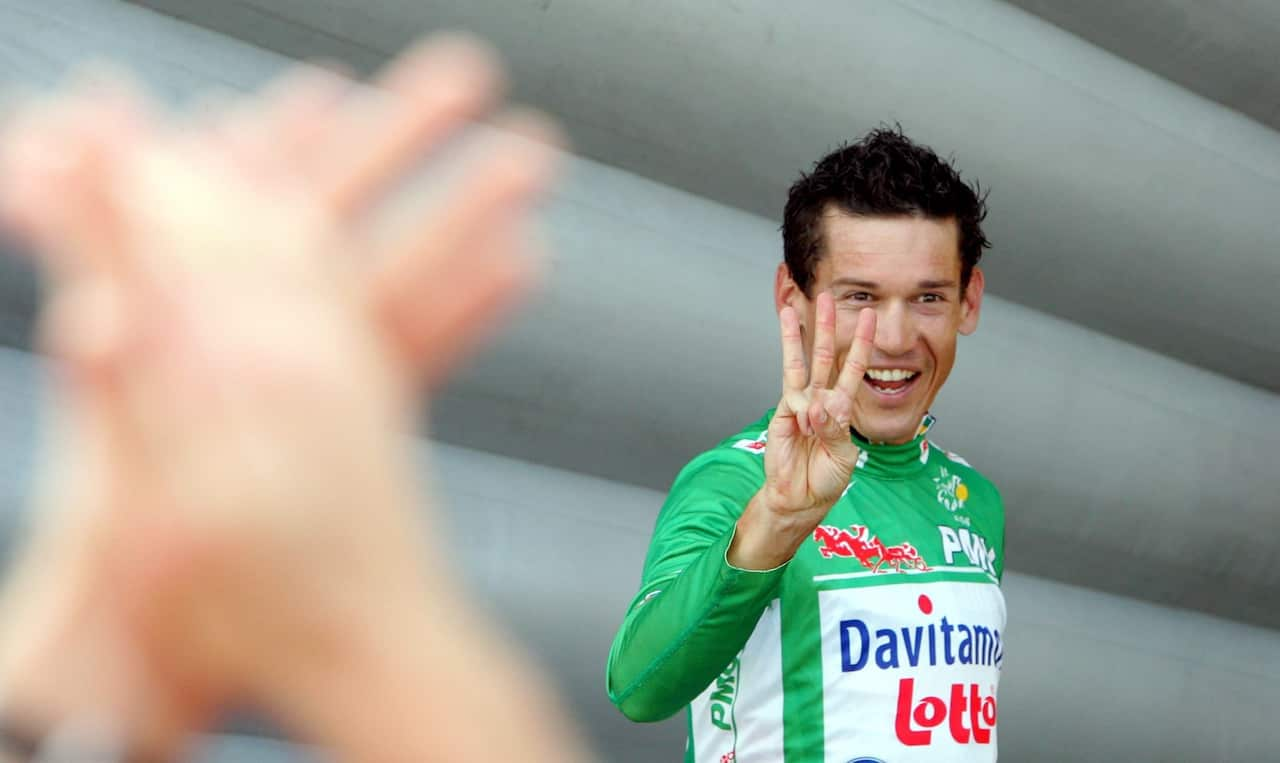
822, 416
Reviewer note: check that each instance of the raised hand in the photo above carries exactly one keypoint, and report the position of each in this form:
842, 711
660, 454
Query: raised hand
810, 455
345, 148
237, 518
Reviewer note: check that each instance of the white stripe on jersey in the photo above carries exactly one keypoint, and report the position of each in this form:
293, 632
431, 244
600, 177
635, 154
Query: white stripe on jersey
750, 729
760, 719
873, 573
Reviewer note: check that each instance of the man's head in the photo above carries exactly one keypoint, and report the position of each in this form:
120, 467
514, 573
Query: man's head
885, 223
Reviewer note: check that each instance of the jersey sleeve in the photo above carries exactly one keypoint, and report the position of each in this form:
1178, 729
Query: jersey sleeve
989, 514
986, 507
694, 611
999, 521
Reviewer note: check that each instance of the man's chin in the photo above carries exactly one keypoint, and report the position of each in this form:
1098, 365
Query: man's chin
895, 428
891, 412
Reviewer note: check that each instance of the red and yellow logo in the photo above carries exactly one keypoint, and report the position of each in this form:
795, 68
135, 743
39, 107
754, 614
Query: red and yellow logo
857, 542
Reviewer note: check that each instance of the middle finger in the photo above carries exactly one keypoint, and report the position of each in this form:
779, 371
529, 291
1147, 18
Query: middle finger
824, 342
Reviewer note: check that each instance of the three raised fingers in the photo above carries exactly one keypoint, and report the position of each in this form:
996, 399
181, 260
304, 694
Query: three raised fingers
818, 410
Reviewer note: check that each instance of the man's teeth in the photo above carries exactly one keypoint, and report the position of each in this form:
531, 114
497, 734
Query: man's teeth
890, 374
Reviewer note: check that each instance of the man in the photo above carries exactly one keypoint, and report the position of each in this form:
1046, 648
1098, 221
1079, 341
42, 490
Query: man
824, 585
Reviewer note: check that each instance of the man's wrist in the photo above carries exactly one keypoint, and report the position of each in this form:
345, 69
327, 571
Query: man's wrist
766, 538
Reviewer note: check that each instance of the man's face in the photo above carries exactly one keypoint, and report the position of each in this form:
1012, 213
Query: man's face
908, 270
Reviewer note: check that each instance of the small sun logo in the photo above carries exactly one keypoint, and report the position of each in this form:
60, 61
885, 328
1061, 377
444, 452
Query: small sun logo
952, 493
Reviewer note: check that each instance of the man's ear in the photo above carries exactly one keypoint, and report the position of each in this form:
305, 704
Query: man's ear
971, 302
787, 292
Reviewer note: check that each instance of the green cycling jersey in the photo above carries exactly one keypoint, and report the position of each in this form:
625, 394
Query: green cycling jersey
880, 640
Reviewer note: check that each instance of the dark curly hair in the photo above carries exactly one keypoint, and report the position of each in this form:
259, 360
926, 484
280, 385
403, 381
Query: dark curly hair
884, 175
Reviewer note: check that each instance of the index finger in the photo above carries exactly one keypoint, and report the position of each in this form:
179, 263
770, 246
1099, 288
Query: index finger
794, 377
855, 365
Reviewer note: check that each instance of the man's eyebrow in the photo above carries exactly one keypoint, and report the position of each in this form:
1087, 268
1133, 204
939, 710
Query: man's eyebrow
854, 282
928, 284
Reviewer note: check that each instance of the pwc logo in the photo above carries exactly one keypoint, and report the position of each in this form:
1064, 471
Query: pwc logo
974, 547
857, 542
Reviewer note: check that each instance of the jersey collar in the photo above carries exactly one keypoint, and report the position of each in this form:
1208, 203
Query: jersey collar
902, 460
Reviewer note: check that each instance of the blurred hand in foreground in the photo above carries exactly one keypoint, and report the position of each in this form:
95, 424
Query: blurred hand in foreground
230, 514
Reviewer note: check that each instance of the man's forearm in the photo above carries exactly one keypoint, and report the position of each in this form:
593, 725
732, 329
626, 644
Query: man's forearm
674, 644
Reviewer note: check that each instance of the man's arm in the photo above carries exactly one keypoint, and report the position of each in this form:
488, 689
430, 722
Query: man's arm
727, 531
694, 611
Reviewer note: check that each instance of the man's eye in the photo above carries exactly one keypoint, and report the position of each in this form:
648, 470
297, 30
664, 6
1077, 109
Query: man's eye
931, 297
860, 296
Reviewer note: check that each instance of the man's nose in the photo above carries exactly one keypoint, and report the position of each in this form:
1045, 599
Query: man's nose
895, 330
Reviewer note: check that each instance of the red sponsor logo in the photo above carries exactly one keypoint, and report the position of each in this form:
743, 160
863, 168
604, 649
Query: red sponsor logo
859, 543
728, 757
917, 719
